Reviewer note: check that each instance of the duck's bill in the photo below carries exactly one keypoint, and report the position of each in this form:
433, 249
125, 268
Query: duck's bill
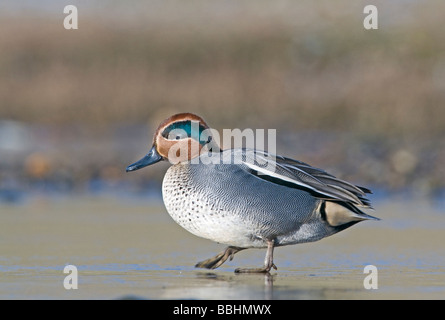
151, 158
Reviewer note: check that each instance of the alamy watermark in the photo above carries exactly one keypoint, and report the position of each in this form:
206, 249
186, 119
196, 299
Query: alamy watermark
371, 280
371, 21
72, 18
71, 280
70, 22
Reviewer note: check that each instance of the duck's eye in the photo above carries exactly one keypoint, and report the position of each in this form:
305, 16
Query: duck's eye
175, 134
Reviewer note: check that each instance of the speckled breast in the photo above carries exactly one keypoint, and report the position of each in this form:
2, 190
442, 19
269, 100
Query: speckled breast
201, 212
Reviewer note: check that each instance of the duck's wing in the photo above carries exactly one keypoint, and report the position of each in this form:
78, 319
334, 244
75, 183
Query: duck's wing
297, 174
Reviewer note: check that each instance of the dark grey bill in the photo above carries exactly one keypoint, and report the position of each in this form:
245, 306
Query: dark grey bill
151, 158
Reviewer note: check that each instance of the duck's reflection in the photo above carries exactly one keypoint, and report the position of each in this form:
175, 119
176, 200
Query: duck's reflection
253, 287
238, 286
198, 285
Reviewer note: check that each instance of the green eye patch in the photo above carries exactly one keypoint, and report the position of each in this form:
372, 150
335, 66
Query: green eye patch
192, 130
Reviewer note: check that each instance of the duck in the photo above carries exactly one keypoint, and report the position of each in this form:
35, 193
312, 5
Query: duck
245, 197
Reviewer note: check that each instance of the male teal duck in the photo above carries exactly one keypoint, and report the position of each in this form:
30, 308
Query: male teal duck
247, 198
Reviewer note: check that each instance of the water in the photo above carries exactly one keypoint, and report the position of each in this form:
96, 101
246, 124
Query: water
127, 248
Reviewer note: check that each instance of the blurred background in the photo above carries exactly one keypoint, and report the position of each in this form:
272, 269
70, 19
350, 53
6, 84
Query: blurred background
78, 106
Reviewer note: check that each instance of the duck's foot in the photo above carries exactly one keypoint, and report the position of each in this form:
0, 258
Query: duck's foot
219, 259
265, 269
268, 262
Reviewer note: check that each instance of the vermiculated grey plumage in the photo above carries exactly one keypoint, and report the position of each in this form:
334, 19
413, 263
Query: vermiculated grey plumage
233, 204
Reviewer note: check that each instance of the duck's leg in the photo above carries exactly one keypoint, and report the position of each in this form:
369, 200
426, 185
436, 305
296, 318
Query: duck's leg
219, 259
268, 261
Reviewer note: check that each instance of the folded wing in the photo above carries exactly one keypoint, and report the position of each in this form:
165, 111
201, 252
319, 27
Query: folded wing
297, 174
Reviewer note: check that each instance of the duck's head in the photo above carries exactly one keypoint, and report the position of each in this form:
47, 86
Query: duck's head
179, 138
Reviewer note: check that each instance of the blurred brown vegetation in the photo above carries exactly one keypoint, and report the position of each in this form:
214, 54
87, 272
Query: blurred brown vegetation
366, 105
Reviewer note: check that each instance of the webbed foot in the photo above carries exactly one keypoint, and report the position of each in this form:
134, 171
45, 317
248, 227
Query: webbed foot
219, 259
